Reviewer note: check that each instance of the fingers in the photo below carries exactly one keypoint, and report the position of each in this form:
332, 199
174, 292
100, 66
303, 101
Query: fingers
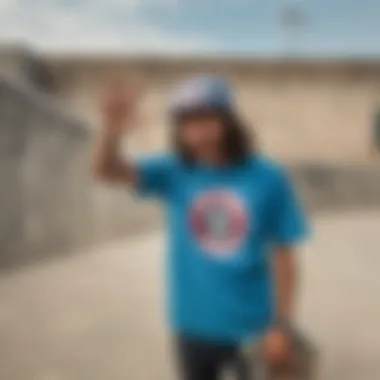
278, 354
120, 100
281, 369
130, 87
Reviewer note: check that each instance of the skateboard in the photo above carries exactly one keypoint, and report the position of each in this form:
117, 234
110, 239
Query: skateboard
253, 367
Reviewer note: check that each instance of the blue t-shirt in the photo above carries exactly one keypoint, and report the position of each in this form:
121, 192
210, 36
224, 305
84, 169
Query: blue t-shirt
223, 223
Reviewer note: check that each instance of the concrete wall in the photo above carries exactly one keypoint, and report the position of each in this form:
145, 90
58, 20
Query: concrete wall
301, 110
326, 187
49, 203
42, 176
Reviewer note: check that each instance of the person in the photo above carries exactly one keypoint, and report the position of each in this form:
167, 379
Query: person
233, 218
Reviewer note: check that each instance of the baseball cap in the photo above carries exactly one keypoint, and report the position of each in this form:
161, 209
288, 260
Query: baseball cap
200, 93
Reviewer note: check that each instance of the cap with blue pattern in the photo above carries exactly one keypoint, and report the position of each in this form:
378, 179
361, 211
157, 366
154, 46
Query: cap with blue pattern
202, 92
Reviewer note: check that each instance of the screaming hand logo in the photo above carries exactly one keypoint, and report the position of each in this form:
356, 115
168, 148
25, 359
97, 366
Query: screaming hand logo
218, 221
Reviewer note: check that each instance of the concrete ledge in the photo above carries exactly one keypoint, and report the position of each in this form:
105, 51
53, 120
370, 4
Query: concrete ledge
335, 187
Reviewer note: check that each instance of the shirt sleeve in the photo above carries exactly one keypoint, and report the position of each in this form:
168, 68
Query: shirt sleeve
154, 176
288, 222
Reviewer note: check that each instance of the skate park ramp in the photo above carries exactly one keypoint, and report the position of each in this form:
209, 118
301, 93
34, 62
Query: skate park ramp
77, 313
98, 315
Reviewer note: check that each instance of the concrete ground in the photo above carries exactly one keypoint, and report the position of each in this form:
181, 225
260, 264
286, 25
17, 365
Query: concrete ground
98, 315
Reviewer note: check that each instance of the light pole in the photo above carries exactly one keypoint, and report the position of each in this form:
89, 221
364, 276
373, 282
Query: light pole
292, 20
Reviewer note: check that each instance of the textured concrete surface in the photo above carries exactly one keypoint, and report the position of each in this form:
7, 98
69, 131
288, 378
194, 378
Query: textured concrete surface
49, 203
300, 109
98, 315
43, 172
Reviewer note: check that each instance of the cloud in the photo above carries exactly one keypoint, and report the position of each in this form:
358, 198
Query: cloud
93, 25
190, 26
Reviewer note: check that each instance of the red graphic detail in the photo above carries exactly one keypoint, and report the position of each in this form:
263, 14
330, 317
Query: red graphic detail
219, 221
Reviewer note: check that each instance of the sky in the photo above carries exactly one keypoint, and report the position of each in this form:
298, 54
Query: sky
328, 27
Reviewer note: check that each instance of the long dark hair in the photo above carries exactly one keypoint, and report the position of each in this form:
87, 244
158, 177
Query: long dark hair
237, 145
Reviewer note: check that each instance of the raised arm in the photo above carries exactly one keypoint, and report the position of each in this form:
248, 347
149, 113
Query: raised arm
117, 113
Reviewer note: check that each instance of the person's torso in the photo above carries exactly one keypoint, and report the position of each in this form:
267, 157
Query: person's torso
218, 221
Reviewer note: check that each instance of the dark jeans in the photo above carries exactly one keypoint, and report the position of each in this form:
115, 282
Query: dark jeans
201, 360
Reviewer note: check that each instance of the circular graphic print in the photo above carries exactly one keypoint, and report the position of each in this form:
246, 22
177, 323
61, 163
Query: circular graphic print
218, 221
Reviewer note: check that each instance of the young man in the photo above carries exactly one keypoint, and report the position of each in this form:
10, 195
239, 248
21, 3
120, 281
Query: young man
233, 221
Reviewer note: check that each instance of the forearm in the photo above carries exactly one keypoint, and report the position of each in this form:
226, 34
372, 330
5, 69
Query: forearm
277, 344
107, 162
286, 281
